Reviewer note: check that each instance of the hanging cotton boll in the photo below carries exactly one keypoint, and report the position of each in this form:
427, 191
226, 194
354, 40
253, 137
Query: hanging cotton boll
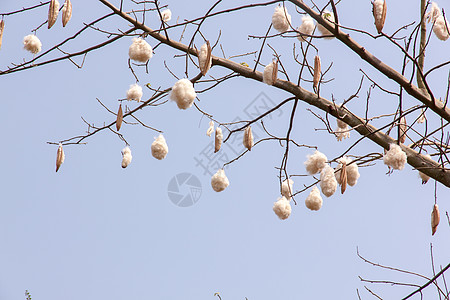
435, 219
66, 12
379, 13
329, 17
183, 93
315, 162
159, 147
317, 72
32, 43
328, 182
287, 188
395, 157
424, 176
210, 129
342, 133
248, 138
135, 92
140, 50
2, 28
307, 28
60, 156
403, 128
282, 208
204, 58
53, 11
166, 15
126, 157
351, 170
270, 73
314, 200
281, 19
434, 13
219, 181
440, 28
218, 139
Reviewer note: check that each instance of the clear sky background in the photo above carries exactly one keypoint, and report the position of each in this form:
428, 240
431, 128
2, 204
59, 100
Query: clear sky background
97, 231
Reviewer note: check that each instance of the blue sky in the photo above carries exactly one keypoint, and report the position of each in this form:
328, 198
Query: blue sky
97, 231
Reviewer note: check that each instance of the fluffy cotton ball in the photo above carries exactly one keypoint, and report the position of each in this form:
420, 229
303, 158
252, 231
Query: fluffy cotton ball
434, 12
219, 181
32, 43
270, 73
327, 15
328, 182
352, 171
307, 28
315, 162
159, 147
204, 58
314, 200
218, 139
140, 50
126, 157
281, 19
395, 157
342, 133
166, 15
286, 188
424, 176
440, 28
282, 208
134, 92
183, 93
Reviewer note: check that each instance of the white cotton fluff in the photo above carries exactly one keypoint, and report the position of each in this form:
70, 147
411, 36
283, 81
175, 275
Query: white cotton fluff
327, 15
314, 200
210, 128
307, 27
126, 157
32, 43
159, 147
183, 93
395, 157
315, 162
342, 131
286, 188
281, 19
166, 15
328, 182
219, 181
134, 92
140, 50
434, 12
424, 176
270, 73
282, 208
440, 28
352, 171
378, 9
204, 58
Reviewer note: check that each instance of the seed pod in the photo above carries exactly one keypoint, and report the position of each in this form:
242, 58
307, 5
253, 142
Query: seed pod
270, 73
204, 58
317, 71
66, 12
119, 118
218, 140
2, 27
59, 157
210, 129
421, 118
343, 177
403, 128
53, 11
435, 218
248, 138
379, 13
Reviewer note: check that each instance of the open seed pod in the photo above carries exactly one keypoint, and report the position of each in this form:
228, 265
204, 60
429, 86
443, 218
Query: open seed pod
66, 12
248, 138
435, 218
317, 72
218, 140
343, 177
53, 11
379, 13
119, 118
210, 128
204, 58
2, 27
59, 157
403, 128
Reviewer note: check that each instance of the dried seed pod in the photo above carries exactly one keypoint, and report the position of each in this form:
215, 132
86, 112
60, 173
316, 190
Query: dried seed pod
204, 58
60, 156
317, 71
218, 140
248, 138
270, 73
2, 27
379, 13
435, 218
343, 177
66, 12
53, 11
210, 129
403, 128
126, 157
119, 117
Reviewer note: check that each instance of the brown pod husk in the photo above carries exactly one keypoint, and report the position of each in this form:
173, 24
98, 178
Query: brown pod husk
248, 138
435, 218
275, 71
317, 70
204, 68
403, 128
2, 27
218, 139
67, 12
60, 156
379, 23
119, 117
53, 11
343, 177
